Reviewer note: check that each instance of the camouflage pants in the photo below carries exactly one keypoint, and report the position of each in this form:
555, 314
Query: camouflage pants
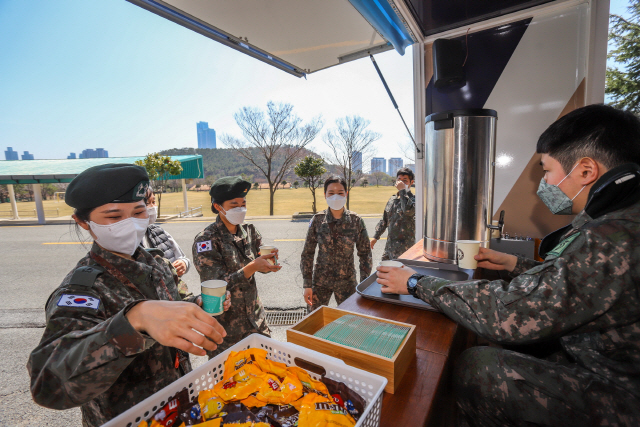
496, 387
322, 294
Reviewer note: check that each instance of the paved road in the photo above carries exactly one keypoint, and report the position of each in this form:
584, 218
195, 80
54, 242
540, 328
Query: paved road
34, 260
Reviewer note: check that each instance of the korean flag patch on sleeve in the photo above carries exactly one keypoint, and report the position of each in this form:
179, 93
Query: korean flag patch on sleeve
84, 301
204, 246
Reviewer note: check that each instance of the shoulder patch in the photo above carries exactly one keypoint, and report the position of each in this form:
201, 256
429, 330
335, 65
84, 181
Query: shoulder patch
559, 249
310, 222
80, 301
86, 276
204, 246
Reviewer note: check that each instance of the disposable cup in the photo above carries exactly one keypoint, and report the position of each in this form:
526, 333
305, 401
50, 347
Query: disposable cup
266, 250
467, 249
213, 293
389, 263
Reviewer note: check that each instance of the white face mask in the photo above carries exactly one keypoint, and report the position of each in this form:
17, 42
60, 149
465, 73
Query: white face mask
123, 236
235, 216
153, 214
336, 202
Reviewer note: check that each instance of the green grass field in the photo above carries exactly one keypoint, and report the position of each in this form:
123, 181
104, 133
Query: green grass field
370, 200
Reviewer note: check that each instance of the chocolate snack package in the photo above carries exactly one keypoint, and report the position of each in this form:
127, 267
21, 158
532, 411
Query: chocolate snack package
168, 415
284, 416
211, 405
190, 414
238, 414
351, 400
318, 411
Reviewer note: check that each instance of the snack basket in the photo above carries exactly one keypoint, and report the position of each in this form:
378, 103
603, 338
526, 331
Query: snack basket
369, 386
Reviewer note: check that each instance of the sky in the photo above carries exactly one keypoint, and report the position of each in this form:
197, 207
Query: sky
78, 74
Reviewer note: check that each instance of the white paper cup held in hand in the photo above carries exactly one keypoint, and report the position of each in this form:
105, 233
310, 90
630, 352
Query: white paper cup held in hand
213, 293
389, 263
467, 250
266, 250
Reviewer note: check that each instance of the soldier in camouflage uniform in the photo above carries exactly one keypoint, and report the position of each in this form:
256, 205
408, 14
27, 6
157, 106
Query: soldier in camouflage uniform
228, 250
578, 311
400, 217
335, 231
107, 344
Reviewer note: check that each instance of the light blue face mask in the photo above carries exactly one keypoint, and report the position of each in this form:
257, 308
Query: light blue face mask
552, 196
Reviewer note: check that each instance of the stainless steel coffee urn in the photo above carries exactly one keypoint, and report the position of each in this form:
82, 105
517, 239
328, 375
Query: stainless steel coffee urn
459, 173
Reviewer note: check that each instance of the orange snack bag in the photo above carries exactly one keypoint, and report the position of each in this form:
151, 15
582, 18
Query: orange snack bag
319, 411
279, 391
216, 422
210, 404
309, 384
237, 359
241, 384
252, 402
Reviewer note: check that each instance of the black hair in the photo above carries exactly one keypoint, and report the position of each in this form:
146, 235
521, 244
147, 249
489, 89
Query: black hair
83, 214
335, 179
214, 210
603, 133
406, 171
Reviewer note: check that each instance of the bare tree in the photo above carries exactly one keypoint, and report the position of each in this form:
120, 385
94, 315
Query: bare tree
279, 136
351, 147
380, 177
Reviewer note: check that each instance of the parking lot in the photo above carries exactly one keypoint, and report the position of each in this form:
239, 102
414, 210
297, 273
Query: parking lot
35, 259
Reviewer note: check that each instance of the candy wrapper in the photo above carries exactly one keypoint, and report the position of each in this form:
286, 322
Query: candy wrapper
320, 411
345, 397
285, 416
241, 384
168, 415
190, 414
210, 404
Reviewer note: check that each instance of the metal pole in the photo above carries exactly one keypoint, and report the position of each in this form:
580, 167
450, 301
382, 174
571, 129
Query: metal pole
12, 198
184, 194
37, 193
419, 87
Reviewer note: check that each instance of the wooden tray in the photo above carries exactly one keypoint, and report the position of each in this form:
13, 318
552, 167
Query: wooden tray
392, 369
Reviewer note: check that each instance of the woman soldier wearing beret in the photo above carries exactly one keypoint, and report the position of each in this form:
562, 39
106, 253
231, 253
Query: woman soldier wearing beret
228, 250
117, 327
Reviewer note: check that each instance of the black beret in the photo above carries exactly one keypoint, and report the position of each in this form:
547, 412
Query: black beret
110, 183
227, 188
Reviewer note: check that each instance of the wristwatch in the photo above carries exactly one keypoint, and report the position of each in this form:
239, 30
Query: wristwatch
412, 284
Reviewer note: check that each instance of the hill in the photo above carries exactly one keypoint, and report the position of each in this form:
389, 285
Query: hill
221, 162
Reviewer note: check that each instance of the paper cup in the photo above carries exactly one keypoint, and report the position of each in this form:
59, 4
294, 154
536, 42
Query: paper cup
266, 250
389, 263
213, 293
467, 249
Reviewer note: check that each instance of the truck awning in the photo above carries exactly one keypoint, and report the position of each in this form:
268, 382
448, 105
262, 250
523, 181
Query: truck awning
297, 36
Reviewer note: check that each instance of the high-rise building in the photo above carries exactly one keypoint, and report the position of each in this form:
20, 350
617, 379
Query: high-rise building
71, 156
356, 161
9, 154
378, 164
395, 163
90, 153
27, 156
206, 136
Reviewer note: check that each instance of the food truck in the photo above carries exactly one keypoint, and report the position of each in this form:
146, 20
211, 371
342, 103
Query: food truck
488, 78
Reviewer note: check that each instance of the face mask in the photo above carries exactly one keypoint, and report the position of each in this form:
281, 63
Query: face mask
123, 236
336, 202
236, 215
153, 214
551, 195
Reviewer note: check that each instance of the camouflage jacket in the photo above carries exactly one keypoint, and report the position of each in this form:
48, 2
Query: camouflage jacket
335, 239
400, 216
90, 355
220, 255
586, 292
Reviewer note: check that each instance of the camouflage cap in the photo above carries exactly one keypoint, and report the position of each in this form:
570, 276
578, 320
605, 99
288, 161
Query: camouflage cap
110, 183
229, 187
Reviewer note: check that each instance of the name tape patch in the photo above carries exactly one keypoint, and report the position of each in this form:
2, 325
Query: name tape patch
67, 300
204, 246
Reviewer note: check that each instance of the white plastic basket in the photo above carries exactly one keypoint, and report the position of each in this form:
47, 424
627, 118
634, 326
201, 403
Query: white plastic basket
369, 386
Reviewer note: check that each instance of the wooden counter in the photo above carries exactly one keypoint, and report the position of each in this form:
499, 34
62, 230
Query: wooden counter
425, 395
